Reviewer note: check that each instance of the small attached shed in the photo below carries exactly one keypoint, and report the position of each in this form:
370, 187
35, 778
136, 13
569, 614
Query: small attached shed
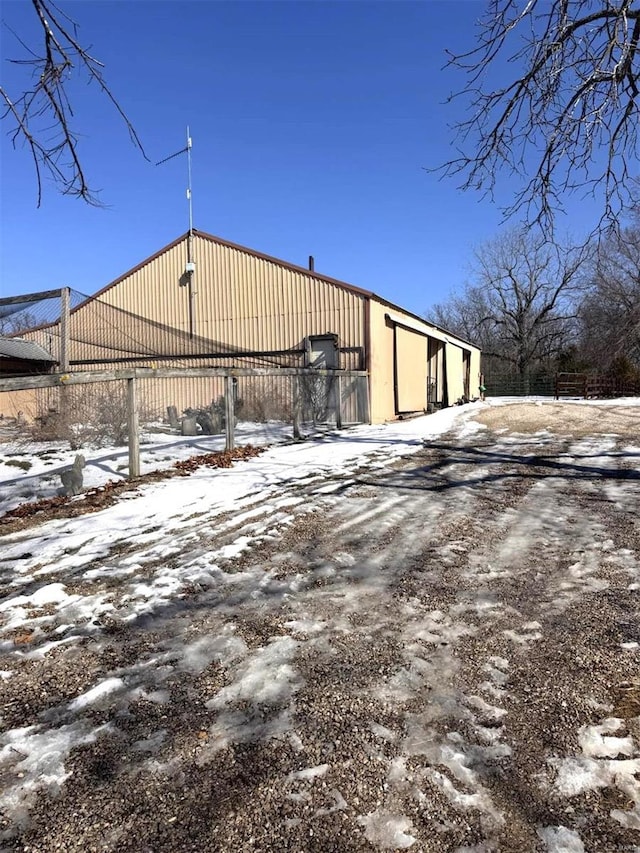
20, 357
417, 366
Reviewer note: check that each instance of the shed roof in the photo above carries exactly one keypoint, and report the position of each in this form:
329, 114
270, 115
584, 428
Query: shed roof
27, 350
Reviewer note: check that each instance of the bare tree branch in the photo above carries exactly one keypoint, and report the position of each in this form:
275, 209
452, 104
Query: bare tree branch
40, 116
610, 313
568, 119
523, 302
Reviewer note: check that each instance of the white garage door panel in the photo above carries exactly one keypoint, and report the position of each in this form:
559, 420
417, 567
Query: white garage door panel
411, 370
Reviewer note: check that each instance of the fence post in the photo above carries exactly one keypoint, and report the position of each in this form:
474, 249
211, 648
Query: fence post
367, 401
297, 414
132, 429
338, 378
63, 348
64, 329
229, 413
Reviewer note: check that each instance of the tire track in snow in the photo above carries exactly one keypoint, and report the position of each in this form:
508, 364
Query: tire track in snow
378, 667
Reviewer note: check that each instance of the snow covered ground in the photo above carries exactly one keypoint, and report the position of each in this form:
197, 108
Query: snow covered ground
421, 635
30, 471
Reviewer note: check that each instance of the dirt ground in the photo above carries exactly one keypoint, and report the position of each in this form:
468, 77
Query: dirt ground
562, 419
440, 653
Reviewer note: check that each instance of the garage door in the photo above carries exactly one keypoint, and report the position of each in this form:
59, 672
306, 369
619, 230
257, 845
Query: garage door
411, 370
455, 373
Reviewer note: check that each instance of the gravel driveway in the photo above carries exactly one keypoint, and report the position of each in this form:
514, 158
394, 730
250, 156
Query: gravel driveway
439, 652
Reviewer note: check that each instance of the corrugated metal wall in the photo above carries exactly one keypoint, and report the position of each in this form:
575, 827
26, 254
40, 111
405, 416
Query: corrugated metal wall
241, 301
19, 404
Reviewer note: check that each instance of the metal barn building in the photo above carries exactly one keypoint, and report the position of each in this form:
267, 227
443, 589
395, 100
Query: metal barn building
204, 301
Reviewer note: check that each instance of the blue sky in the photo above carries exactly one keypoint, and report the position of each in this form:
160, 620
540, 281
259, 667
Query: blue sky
311, 125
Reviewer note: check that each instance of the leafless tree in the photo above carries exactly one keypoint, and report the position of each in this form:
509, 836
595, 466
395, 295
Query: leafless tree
463, 314
610, 312
40, 116
521, 304
566, 116
16, 324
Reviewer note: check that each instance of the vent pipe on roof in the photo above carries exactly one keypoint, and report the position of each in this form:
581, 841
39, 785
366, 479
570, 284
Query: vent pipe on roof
312, 264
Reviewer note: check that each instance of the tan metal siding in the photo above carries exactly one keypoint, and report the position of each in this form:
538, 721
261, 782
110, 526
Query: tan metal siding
241, 301
383, 321
411, 370
381, 364
455, 373
19, 404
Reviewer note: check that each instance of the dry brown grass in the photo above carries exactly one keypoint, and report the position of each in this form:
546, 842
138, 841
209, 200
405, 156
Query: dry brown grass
562, 418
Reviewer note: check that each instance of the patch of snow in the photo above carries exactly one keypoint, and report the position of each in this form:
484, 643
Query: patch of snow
470, 428
53, 593
158, 697
308, 772
306, 626
227, 552
264, 680
598, 767
479, 800
597, 742
35, 759
524, 636
225, 649
383, 732
387, 830
266, 676
398, 772
110, 571
41, 651
95, 694
479, 704
559, 839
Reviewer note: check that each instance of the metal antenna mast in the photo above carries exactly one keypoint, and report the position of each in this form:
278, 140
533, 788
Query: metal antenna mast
189, 257
190, 268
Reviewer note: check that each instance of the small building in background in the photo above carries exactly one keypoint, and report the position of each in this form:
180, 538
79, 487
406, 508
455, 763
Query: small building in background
20, 357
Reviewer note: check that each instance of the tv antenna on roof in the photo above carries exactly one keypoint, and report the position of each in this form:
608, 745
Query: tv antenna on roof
187, 278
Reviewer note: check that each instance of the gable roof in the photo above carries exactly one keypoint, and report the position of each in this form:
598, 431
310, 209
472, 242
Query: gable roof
237, 247
368, 294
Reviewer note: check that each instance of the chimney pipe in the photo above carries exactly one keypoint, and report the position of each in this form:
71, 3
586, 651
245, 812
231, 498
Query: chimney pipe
312, 264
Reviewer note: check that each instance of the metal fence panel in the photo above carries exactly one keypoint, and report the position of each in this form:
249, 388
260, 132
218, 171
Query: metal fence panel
519, 386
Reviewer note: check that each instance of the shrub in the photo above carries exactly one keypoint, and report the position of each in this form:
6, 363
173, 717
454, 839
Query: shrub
93, 415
